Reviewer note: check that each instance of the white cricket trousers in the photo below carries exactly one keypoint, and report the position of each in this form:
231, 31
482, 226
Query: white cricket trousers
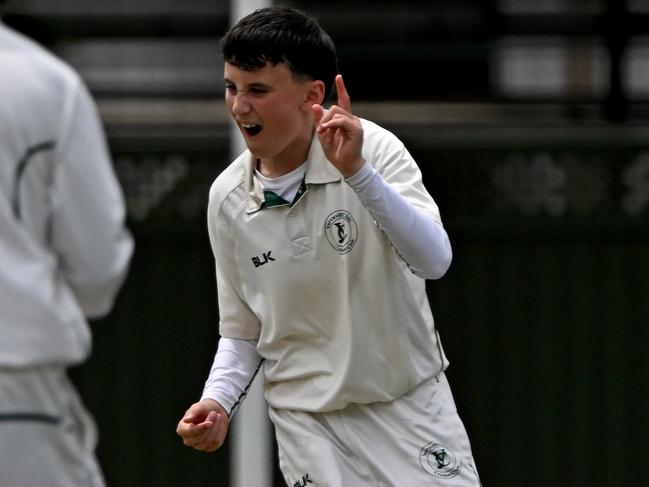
47, 438
415, 440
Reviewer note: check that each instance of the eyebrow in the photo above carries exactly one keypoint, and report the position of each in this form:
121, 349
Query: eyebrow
254, 83
251, 85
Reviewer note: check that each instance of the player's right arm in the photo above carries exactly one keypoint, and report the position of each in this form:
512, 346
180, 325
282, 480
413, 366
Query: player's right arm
204, 426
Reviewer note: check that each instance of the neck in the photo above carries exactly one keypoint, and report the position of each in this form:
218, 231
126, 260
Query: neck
274, 170
278, 166
284, 163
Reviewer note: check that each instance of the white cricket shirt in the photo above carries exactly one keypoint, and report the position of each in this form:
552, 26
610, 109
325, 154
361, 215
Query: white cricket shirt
64, 250
338, 315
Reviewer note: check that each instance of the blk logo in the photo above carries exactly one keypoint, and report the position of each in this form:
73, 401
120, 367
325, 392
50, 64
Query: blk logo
264, 259
302, 483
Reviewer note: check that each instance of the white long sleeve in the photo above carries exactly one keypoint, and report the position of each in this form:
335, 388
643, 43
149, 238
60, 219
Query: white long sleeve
236, 364
88, 210
420, 241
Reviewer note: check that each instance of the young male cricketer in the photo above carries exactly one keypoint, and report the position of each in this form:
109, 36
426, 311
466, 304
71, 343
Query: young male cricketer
323, 236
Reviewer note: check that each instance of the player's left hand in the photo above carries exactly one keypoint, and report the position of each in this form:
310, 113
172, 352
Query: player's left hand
340, 132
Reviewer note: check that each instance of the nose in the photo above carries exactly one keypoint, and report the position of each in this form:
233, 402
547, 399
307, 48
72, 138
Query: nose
240, 104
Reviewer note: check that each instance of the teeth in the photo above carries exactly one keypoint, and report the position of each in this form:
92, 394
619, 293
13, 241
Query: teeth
251, 129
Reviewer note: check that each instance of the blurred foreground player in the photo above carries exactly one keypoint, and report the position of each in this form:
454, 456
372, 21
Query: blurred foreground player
64, 252
323, 235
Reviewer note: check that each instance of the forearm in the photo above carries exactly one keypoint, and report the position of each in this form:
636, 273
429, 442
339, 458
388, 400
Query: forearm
420, 241
235, 365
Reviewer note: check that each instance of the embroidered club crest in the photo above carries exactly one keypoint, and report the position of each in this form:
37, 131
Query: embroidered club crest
439, 461
341, 231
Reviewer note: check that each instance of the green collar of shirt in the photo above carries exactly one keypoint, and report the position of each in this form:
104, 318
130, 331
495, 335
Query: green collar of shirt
272, 199
318, 171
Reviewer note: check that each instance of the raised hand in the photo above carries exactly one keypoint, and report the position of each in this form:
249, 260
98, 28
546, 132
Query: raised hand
340, 132
204, 426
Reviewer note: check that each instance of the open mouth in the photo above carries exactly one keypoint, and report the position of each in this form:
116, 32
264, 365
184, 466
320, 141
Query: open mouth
251, 128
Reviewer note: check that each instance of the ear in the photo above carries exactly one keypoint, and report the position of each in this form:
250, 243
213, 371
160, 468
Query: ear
314, 94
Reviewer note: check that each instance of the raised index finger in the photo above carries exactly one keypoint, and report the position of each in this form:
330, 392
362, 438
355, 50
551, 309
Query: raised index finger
343, 97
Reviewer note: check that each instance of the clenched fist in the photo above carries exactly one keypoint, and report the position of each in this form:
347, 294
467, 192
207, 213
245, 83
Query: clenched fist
204, 426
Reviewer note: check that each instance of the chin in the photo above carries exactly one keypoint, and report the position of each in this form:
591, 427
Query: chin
259, 152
